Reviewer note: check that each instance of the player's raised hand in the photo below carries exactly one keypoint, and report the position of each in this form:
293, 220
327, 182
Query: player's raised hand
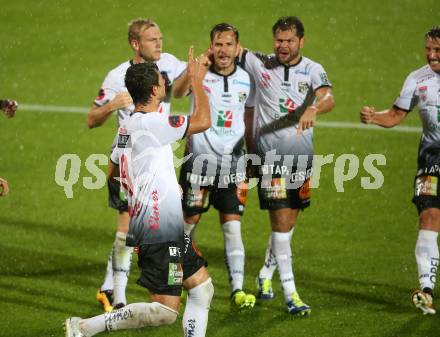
4, 188
367, 114
121, 100
9, 107
307, 120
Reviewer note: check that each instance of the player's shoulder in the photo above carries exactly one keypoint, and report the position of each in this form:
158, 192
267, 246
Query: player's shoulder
118, 73
421, 74
167, 58
308, 63
241, 76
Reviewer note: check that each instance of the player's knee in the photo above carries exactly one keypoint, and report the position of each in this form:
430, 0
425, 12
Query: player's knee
430, 219
232, 228
157, 314
201, 295
192, 219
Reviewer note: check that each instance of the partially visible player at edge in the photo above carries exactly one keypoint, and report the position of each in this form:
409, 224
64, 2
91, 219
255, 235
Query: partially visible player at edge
221, 184
422, 88
9, 108
168, 258
145, 39
290, 91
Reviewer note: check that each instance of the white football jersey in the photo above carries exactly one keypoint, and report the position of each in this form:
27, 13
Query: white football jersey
422, 88
282, 93
227, 98
114, 83
147, 176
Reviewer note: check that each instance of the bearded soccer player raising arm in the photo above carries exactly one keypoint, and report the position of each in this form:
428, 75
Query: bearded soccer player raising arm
422, 88
221, 183
145, 39
290, 91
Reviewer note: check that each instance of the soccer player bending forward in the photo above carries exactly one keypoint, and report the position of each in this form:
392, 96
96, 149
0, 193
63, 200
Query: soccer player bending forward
168, 259
422, 88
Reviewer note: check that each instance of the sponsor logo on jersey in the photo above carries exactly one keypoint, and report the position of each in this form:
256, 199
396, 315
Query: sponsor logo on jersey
303, 87
174, 251
286, 105
175, 274
276, 189
176, 121
101, 95
242, 96
324, 79
426, 185
265, 80
207, 89
423, 93
301, 72
122, 139
153, 219
224, 119
246, 84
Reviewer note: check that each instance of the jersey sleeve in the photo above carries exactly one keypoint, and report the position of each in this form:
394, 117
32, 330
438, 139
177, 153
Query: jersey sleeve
249, 61
250, 101
114, 156
319, 77
407, 98
178, 68
167, 129
107, 91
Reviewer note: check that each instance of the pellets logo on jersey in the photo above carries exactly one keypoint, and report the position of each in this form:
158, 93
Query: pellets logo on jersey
176, 121
423, 93
101, 95
224, 119
286, 105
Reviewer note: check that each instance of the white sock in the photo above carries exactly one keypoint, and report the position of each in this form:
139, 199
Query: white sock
270, 263
108, 279
234, 253
195, 317
283, 255
121, 267
427, 257
135, 315
188, 228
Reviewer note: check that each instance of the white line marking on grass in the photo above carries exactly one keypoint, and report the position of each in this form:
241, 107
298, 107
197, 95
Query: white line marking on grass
324, 124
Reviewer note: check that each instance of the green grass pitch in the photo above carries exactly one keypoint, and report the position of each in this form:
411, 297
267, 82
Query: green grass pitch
353, 251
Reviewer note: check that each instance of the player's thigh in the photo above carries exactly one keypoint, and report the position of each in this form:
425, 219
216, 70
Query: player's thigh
161, 267
194, 265
429, 219
172, 302
195, 198
230, 200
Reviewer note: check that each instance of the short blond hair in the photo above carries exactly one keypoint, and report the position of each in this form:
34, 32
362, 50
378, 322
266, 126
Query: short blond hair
136, 26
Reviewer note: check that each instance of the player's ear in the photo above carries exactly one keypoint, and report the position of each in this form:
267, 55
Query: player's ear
154, 90
134, 44
301, 42
237, 52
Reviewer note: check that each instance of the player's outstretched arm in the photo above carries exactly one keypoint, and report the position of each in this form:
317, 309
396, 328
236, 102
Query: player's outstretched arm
386, 118
9, 107
249, 126
181, 86
99, 114
201, 117
324, 103
4, 187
